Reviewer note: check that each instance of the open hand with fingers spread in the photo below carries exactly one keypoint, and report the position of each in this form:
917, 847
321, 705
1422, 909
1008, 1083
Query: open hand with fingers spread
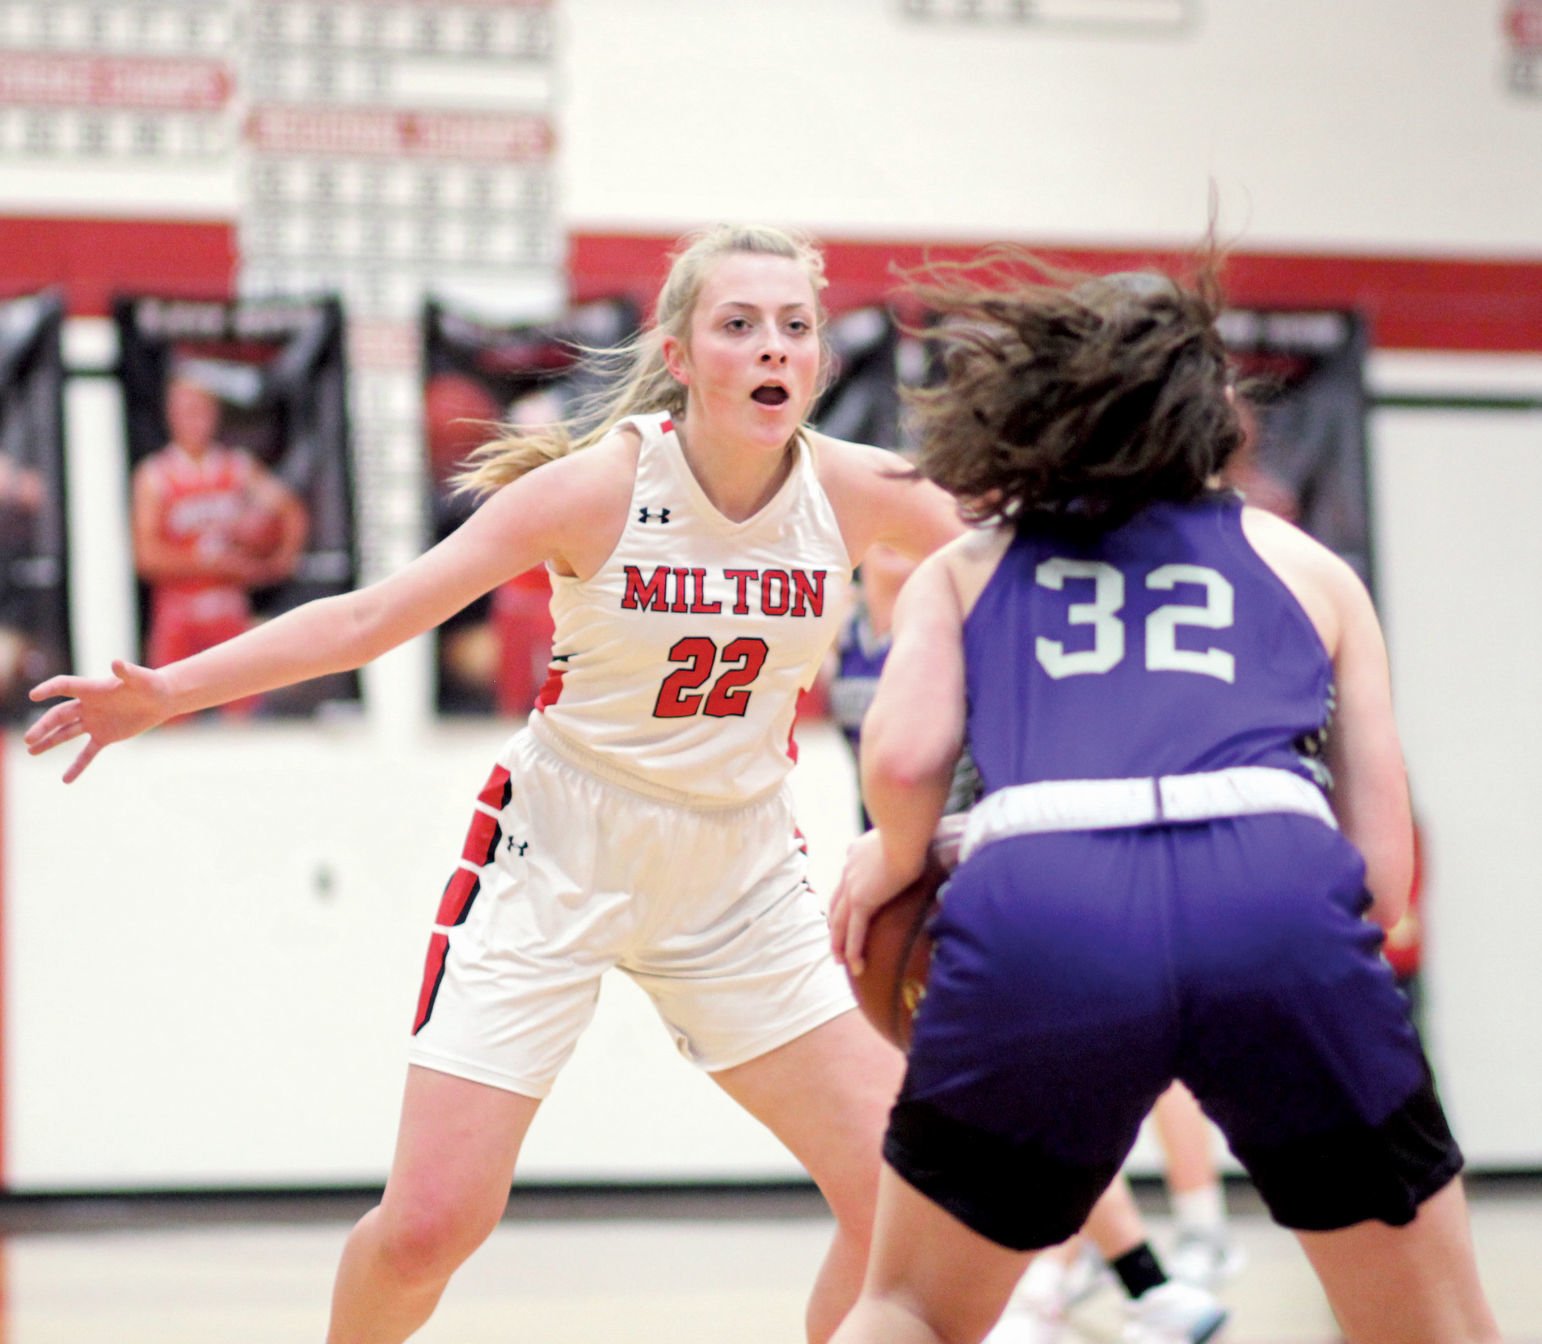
102, 709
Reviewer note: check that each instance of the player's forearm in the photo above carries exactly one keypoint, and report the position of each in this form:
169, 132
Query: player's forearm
905, 805
331, 634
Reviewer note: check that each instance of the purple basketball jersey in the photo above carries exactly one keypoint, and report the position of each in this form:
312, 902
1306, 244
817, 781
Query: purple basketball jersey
1165, 646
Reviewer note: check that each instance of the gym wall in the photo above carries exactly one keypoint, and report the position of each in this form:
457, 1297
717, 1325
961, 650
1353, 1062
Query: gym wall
212, 941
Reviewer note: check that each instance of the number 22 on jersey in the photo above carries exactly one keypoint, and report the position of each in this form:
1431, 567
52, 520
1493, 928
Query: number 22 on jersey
738, 663
1101, 614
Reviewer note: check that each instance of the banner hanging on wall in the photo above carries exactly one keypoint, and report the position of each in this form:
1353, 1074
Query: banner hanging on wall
1306, 456
242, 500
492, 657
862, 402
34, 573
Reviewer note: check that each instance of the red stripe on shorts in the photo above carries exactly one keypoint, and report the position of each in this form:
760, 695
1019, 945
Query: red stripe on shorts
459, 892
482, 838
433, 973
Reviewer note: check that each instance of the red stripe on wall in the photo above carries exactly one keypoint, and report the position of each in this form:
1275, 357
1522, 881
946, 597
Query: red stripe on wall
1422, 303
1428, 303
93, 259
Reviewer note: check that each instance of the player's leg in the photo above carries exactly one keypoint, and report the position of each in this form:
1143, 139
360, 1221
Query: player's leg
449, 1182
931, 1278
1416, 1284
826, 1096
1204, 1251
1156, 1307
1342, 1132
1186, 1139
510, 982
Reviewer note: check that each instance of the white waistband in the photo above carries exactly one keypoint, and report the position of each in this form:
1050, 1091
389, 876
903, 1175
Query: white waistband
576, 753
1116, 804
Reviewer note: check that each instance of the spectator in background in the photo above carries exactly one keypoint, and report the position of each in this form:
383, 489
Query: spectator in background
210, 524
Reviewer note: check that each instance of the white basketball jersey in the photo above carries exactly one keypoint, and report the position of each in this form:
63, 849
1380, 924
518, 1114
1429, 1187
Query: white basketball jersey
681, 661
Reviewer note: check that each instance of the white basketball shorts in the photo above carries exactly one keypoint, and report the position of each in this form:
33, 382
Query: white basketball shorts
564, 875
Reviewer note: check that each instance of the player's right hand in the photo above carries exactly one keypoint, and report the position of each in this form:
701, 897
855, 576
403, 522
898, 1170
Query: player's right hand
104, 710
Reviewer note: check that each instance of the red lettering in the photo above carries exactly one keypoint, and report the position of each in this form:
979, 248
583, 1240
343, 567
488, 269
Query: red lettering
741, 578
774, 589
808, 592
699, 601
652, 596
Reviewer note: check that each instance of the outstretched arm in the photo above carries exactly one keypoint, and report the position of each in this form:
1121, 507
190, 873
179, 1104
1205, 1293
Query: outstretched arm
911, 739
536, 518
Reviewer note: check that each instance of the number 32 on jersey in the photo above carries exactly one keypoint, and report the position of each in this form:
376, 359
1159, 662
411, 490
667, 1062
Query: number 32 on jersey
1101, 614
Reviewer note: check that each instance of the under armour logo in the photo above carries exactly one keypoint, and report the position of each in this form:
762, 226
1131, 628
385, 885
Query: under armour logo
647, 515
518, 846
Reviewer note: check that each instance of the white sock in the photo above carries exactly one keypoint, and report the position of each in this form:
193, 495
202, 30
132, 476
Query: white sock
1201, 1210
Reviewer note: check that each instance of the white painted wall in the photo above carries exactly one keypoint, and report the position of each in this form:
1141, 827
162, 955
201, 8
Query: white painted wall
213, 940
1336, 124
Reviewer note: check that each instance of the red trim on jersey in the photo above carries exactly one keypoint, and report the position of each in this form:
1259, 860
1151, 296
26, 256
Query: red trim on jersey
667, 426
551, 690
433, 974
1451, 303
792, 731
495, 793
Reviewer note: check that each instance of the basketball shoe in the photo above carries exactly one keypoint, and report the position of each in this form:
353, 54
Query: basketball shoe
1205, 1257
1172, 1313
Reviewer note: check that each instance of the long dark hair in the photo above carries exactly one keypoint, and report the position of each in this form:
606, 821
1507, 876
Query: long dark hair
1067, 399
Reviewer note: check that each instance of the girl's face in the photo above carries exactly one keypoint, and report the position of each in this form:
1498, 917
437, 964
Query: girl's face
192, 415
750, 366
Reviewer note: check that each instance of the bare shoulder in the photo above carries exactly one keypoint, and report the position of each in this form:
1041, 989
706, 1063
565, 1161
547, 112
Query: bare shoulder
586, 477
877, 497
149, 472
844, 464
972, 559
576, 504
1325, 584
1278, 540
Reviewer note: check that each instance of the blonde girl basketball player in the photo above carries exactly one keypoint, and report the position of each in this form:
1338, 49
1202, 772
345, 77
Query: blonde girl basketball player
700, 545
1195, 828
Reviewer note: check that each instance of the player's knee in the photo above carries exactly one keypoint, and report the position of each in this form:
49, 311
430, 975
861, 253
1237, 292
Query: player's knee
425, 1241
853, 1202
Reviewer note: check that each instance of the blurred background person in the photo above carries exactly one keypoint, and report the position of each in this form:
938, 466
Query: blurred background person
210, 524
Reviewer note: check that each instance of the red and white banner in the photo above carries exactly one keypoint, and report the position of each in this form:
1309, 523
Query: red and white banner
149, 83
395, 133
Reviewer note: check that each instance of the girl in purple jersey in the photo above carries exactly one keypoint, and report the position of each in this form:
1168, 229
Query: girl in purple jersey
587, 852
1156, 884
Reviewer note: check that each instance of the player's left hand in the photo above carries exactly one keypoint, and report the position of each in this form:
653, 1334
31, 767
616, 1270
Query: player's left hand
102, 709
870, 879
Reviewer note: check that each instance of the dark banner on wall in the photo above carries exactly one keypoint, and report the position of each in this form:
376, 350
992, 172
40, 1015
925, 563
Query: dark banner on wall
492, 657
34, 593
1306, 458
242, 494
862, 403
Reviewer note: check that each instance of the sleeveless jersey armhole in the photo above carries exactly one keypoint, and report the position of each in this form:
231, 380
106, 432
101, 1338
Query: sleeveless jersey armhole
1235, 536
637, 423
